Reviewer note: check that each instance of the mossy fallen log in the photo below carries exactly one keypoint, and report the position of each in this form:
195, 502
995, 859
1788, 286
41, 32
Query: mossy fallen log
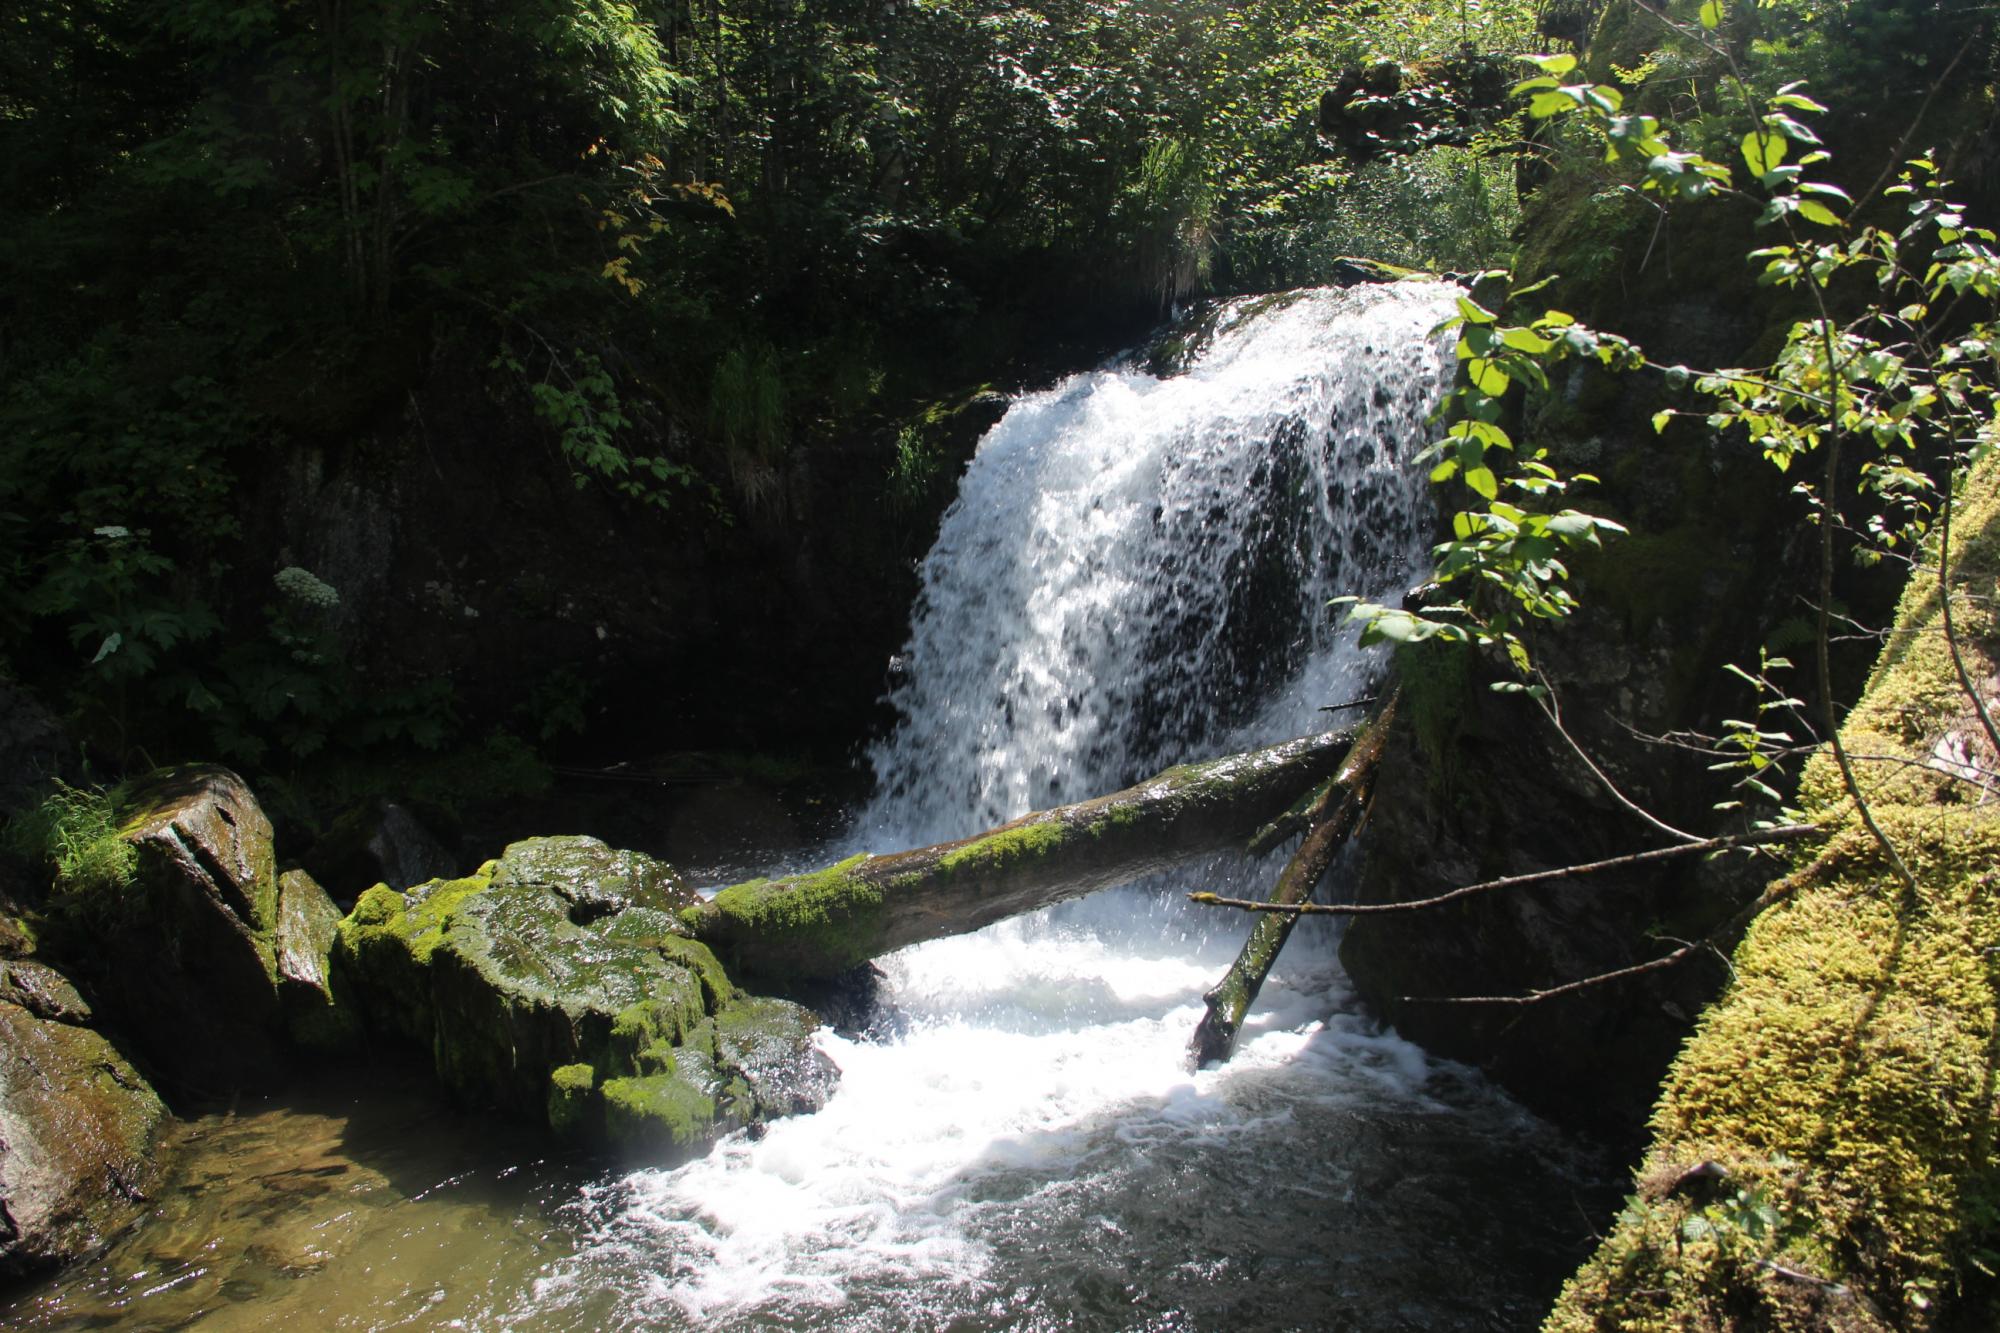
1335, 812
821, 924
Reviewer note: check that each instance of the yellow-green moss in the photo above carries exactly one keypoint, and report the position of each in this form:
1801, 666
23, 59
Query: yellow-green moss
831, 916
699, 959
1847, 1079
997, 851
644, 1035
658, 1111
572, 1091
385, 944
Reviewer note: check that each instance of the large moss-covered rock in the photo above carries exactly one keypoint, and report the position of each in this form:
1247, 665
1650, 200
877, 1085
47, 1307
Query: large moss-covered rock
184, 958
79, 1128
557, 983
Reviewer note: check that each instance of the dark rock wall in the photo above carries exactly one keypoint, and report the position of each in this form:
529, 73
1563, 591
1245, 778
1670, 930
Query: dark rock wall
465, 552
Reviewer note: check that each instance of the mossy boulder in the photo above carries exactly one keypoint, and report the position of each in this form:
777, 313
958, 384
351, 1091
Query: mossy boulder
79, 1128
184, 957
558, 984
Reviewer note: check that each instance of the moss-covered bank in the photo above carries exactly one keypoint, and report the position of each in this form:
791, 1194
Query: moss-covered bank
1824, 1152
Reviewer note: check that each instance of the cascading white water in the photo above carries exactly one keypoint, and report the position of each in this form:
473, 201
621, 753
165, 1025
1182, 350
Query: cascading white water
1135, 564
1136, 571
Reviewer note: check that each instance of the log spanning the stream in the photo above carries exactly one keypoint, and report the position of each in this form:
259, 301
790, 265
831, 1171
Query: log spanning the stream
821, 924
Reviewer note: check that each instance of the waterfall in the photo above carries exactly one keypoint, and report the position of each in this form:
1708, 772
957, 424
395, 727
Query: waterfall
1138, 567
1135, 572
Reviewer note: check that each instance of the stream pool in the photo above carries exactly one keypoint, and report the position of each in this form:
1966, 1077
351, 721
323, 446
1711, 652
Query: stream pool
1018, 1146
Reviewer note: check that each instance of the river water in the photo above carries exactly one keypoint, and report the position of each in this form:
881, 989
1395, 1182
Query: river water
1135, 573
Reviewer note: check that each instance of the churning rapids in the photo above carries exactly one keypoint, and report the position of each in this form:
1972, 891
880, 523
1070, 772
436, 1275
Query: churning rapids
1136, 572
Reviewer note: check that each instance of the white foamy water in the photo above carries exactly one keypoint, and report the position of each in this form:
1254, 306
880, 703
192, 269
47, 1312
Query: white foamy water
1136, 565
1135, 572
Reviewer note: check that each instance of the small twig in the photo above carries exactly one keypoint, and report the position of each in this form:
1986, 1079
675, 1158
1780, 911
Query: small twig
1895, 158
1570, 988
1758, 838
1341, 708
1555, 720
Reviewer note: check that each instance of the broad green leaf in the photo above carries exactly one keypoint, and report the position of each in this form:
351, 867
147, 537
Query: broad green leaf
1525, 340
1487, 377
1661, 418
1558, 64
1482, 480
1543, 105
1763, 151
1711, 14
1474, 312
1812, 210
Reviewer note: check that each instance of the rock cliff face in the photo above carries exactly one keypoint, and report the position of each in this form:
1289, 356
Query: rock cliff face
712, 622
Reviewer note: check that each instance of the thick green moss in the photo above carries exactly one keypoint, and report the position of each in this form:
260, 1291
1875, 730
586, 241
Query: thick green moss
657, 1113
717, 989
831, 915
383, 951
999, 850
1847, 1080
572, 1100
644, 1034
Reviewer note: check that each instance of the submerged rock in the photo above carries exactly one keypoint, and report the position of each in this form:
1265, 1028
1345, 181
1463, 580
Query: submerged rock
79, 1129
558, 984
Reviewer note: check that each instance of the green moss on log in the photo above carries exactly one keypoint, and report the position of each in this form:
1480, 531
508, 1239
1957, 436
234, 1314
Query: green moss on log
829, 914
996, 851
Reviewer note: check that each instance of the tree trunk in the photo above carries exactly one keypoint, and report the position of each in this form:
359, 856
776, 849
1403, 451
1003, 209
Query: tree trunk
821, 924
1340, 805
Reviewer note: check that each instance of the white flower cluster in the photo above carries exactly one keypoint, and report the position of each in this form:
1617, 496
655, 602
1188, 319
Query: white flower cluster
303, 585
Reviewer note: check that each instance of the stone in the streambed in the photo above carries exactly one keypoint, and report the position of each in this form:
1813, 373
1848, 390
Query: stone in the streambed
79, 1129
185, 960
768, 1043
379, 842
558, 983
308, 926
597, 880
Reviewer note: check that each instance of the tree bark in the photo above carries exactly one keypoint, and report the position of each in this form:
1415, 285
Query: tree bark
1335, 814
821, 924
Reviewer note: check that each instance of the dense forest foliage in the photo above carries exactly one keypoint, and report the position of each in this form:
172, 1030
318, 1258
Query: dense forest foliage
684, 240
680, 247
